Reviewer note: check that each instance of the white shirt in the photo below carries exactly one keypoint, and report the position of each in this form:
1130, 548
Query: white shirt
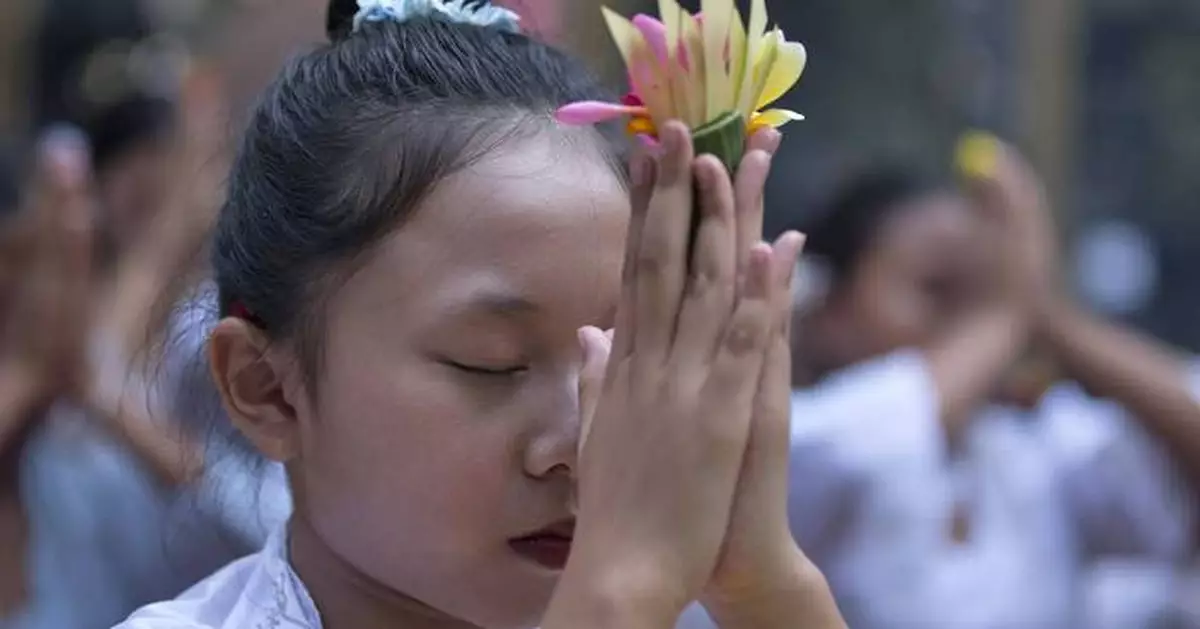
258, 592
873, 493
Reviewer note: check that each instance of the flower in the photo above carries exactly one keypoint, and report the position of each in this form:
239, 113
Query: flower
977, 154
706, 70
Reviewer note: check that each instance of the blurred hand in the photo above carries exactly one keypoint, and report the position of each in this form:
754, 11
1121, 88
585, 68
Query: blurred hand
77, 334
132, 305
1013, 197
46, 318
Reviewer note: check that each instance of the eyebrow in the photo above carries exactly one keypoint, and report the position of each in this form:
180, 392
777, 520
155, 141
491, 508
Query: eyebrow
491, 302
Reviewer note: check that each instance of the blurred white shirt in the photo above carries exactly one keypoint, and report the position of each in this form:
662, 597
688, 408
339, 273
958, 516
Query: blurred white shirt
874, 492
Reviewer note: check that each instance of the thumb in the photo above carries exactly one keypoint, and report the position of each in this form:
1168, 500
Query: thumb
597, 346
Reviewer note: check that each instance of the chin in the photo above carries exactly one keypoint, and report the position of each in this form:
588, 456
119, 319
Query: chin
520, 596
511, 595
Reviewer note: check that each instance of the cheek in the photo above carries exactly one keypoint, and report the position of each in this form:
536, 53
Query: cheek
401, 450
898, 316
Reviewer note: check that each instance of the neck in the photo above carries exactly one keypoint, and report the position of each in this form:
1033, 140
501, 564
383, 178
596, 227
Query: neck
348, 599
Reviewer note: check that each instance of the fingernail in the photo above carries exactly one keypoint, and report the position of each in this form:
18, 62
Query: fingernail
773, 140
587, 340
796, 240
637, 170
650, 144
65, 151
672, 138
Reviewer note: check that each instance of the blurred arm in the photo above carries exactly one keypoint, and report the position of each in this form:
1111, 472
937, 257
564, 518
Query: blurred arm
967, 362
169, 454
1146, 378
21, 397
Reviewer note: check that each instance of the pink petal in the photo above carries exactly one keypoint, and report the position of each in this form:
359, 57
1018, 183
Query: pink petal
633, 100
649, 142
655, 34
592, 112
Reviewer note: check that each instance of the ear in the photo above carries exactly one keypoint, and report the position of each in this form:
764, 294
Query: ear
254, 386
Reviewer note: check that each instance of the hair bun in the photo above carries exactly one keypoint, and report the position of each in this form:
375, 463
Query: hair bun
344, 16
339, 18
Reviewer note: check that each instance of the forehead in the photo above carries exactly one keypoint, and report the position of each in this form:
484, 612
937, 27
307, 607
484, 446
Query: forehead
942, 224
541, 220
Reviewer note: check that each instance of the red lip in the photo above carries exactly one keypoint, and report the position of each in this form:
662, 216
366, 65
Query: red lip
548, 547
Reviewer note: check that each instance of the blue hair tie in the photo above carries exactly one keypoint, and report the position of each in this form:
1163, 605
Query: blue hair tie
458, 11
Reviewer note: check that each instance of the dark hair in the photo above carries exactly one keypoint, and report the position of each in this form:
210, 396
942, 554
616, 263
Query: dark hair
70, 39
10, 196
849, 222
352, 136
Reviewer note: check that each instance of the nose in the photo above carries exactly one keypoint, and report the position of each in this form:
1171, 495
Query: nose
553, 448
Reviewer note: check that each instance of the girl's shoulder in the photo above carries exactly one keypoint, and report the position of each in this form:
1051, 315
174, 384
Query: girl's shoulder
258, 591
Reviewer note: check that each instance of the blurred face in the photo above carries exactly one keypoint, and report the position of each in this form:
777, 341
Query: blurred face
133, 189
921, 271
437, 455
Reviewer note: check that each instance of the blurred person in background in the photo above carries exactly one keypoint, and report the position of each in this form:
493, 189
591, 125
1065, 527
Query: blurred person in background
94, 462
938, 478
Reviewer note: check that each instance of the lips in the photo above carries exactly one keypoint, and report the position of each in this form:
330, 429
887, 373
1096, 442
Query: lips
548, 547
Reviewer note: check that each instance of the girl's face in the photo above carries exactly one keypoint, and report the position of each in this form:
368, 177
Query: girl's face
442, 432
922, 269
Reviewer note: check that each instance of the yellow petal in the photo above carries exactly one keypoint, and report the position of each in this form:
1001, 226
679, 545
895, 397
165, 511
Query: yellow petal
784, 73
976, 155
717, 17
774, 118
670, 13
768, 54
693, 80
754, 37
738, 67
623, 33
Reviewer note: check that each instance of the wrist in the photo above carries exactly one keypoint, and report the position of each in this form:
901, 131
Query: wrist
792, 588
606, 592
1053, 314
780, 572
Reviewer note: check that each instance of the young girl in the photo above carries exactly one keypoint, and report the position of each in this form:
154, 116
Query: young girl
411, 254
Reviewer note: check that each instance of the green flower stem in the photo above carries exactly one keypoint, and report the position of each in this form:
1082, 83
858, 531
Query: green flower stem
724, 138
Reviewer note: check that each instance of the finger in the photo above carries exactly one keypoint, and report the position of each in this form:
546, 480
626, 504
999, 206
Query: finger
733, 379
661, 263
61, 169
748, 195
786, 253
766, 140
66, 216
712, 276
764, 475
643, 173
596, 350
765, 470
